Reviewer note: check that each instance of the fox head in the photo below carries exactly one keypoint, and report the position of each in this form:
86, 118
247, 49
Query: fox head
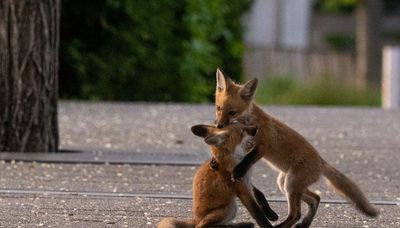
232, 101
227, 138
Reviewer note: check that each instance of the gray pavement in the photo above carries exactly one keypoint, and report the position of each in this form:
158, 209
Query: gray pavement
363, 143
30, 210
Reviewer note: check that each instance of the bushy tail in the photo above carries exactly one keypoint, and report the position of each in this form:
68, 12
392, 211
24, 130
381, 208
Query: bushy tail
174, 223
349, 189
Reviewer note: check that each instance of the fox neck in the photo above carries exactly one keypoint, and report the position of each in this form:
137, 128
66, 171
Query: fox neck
247, 116
238, 154
226, 159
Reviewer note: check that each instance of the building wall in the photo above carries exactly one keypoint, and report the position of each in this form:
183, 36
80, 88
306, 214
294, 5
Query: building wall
283, 23
323, 25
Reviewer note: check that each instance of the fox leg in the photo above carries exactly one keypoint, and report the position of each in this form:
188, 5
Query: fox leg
294, 200
281, 182
241, 169
294, 188
263, 203
219, 216
235, 225
244, 192
312, 201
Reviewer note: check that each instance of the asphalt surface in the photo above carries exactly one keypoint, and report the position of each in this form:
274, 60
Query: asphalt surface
29, 210
363, 143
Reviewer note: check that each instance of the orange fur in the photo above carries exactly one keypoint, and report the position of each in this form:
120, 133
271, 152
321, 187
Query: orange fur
213, 191
298, 162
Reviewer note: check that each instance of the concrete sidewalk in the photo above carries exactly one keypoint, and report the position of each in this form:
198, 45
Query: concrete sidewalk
361, 142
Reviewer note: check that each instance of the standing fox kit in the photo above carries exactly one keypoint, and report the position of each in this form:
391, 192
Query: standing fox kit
297, 161
214, 192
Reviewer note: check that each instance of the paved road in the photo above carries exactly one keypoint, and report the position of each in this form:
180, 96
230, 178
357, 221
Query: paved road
32, 210
163, 128
363, 143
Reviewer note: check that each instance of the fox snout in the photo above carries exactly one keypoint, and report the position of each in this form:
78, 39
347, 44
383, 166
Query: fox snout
220, 124
223, 122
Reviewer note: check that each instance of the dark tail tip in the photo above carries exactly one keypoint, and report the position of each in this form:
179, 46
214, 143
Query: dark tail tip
372, 212
369, 210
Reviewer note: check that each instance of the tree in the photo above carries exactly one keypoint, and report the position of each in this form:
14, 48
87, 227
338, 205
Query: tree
119, 49
29, 39
369, 51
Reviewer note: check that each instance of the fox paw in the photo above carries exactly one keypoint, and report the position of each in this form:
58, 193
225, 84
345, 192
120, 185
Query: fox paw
244, 225
300, 225
271, 215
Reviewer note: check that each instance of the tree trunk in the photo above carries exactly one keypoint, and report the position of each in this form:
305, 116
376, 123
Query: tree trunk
29, 38
369, 51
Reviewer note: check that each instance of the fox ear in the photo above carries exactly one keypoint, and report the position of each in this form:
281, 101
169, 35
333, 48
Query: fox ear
248, 89
201, 130
223, 81
215, 140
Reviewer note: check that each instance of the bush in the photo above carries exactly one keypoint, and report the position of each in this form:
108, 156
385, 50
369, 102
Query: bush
322, 91
153, 50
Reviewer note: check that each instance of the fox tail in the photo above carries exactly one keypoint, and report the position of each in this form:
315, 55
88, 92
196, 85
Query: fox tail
349, 189
174, 223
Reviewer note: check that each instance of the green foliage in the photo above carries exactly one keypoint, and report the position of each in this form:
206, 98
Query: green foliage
341, 42
336, 6
348, 6
322, 91
153, 50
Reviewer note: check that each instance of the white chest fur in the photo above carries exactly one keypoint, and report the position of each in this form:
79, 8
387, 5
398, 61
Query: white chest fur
239, 154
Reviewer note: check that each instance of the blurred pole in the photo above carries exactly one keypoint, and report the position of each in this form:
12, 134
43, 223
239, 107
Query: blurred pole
369, 56
391, 77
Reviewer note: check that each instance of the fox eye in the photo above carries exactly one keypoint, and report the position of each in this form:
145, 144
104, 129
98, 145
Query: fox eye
232, 113
218, 108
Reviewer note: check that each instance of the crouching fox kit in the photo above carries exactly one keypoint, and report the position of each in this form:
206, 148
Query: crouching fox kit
285, 150
214, 192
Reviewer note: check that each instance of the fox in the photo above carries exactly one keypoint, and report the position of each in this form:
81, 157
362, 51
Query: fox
285, 150
213, 190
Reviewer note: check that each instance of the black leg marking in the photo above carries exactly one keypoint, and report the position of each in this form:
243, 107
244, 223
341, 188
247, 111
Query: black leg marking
245, 225
262, 201
241, 169
259, 216
235, 225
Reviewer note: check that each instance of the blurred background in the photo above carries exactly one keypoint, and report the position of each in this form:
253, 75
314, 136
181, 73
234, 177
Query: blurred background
303, 51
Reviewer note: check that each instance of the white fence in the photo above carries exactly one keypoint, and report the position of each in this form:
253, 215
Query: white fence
263, 62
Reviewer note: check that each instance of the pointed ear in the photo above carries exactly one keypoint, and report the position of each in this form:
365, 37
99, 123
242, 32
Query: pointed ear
215, 140
223, 81
201, 130
249, 89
